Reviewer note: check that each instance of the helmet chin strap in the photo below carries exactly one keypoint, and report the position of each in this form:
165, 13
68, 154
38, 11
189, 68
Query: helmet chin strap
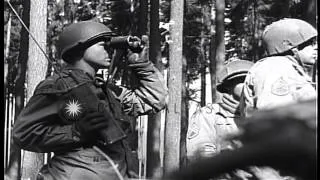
298, 58
304, 66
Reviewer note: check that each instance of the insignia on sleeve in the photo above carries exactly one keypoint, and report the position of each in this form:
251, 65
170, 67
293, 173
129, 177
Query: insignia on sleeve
280, 87
193, 131
71, 110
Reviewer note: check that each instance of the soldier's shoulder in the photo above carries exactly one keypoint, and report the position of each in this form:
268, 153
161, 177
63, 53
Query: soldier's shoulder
274, 62
49, 82
56, 82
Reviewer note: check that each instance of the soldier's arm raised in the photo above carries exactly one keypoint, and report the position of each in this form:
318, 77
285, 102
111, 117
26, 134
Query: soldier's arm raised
151, 93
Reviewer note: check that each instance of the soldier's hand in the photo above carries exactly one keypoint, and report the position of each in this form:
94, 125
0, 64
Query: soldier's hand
141, 57
90, 125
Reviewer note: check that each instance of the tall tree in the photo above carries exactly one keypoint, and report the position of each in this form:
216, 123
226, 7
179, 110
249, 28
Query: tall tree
217, 44
212, 64
154, 121
16, 79
203, 60
143, 18
172, 155
5, 62
219, 55
69, 10
310, 15
36, 72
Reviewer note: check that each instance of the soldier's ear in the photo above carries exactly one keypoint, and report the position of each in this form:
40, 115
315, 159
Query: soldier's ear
73, 55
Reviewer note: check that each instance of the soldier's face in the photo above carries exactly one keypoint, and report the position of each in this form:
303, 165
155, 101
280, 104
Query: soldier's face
97, 55
237, 90
234, 87
309, 54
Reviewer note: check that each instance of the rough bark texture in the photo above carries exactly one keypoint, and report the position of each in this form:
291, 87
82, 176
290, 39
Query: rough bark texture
217, 47
173, 122
36, 72
212, 55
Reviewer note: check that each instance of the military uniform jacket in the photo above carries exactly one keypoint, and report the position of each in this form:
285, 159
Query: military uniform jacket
275, 81
208, 128
42, 125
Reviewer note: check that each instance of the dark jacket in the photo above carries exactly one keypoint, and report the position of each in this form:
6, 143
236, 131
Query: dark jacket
46, 124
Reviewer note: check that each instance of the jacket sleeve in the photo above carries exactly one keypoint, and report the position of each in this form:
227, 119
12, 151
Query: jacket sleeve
37, 127
151, 94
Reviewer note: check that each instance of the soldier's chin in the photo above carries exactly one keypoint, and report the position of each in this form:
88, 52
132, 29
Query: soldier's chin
105, 64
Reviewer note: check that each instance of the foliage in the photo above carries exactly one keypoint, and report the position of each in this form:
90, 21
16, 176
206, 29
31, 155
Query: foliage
247, 21
249, 18
14, 44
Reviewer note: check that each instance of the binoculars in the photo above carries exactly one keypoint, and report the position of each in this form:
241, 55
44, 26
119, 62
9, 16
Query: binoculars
127, 42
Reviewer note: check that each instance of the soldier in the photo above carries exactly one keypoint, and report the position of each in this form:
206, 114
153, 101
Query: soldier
82, 119
210, 125
281, 77
283, 137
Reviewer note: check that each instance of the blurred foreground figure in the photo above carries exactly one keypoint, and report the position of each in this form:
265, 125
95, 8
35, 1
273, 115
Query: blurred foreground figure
283, 138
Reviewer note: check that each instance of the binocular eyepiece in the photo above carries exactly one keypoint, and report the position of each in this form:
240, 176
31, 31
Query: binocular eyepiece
127, 42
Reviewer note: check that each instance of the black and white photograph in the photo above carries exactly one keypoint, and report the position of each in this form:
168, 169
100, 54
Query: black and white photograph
160, 89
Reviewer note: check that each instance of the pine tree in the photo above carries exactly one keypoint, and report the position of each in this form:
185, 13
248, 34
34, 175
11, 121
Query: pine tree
36, 72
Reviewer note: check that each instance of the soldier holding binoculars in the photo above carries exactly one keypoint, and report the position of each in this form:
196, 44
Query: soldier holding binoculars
74, 115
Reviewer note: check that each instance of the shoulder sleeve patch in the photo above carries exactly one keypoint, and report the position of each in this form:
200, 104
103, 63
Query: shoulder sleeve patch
193, 131
71, 109
280, 87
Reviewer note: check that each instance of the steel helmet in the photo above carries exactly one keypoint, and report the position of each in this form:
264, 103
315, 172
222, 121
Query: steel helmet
234, 69
285, 34
81, 34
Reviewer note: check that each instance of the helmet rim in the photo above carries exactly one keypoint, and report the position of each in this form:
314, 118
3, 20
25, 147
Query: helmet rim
79, 34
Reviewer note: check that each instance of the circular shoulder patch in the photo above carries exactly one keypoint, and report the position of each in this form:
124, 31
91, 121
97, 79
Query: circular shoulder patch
280, 87
71, 110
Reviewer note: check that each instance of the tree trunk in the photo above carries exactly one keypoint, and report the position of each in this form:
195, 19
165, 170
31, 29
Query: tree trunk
212, 54
7, 126
14, 168
310, 15
173, 122
5, 62
219, 40
37, 67
203, 71
203, 57
68, 11
255, 32
212, 68
22, 60
184, 116
154, 121
143, 18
